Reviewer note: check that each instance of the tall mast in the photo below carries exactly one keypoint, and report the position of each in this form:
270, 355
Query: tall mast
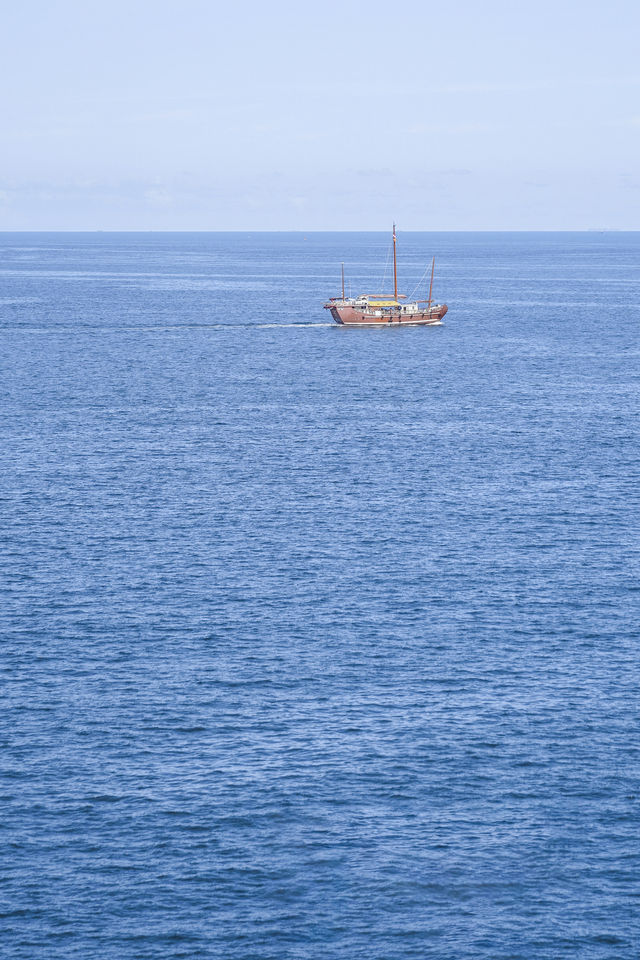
343, 281
395, 266
433, 264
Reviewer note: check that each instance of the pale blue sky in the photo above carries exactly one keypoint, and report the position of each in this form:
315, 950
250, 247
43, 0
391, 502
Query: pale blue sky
189, 115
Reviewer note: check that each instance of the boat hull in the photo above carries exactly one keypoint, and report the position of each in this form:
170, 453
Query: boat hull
351, 317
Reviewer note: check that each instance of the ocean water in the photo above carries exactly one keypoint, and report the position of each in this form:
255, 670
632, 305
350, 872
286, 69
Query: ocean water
319, 643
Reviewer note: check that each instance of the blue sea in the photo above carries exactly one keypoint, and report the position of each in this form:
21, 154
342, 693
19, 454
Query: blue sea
319, 643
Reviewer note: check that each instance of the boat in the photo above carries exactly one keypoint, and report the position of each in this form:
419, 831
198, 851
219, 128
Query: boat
380, 310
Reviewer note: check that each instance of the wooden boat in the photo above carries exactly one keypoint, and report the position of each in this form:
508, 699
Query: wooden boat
378, 310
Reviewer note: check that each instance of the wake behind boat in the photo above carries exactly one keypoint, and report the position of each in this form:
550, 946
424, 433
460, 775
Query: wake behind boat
378, 310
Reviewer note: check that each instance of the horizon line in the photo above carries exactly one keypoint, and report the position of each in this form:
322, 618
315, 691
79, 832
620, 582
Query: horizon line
304, 232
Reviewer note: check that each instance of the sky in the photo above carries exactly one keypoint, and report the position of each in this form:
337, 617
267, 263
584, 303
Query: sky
193, 115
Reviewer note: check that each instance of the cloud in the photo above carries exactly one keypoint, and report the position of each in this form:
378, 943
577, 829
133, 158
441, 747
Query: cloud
374, 172
158, 197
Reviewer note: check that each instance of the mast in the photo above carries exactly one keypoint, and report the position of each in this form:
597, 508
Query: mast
433, 264
343, 281
395, 266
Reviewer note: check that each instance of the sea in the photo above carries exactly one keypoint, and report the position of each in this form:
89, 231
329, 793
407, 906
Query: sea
319, 643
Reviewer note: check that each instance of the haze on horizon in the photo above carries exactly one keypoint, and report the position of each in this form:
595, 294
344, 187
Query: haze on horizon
343, 116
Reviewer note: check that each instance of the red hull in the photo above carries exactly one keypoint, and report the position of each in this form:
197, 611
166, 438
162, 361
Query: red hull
351, 317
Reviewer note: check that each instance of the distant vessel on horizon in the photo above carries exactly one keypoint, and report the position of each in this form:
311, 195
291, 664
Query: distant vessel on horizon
380, 310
